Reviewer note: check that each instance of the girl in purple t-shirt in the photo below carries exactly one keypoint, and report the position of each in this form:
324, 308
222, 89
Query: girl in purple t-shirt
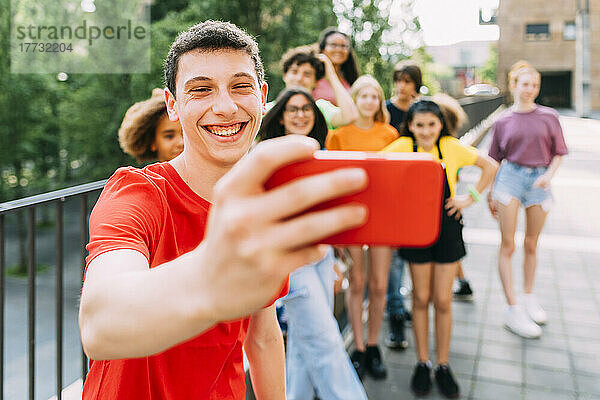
529, 142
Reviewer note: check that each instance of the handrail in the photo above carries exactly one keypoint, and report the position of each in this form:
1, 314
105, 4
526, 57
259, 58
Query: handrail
51, 196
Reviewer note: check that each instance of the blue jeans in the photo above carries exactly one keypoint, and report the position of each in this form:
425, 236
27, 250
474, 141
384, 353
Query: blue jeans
316, 359
395, 299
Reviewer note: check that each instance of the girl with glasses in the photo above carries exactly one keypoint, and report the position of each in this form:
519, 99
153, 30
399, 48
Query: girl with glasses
336, 45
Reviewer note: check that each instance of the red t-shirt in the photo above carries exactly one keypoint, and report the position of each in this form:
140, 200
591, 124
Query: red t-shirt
153, 211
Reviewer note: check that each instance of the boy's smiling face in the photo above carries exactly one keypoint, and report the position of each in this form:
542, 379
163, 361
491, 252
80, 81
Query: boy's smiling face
219, 103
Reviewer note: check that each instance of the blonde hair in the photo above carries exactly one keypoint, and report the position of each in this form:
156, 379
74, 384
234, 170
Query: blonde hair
518, 69
454, 115
138, 129
364, 81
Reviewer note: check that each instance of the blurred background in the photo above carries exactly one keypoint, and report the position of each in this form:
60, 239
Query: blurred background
60, 130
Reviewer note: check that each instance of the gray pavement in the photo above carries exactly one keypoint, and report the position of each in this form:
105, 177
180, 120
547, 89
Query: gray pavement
492, 363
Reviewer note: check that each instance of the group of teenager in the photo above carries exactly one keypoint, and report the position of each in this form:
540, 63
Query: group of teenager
172, 293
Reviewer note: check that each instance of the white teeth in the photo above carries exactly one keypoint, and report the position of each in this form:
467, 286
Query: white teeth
224, 130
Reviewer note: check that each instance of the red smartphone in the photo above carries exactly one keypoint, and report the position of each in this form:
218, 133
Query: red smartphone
404, 195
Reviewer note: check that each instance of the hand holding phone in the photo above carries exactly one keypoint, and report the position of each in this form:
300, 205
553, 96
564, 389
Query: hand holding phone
404, 195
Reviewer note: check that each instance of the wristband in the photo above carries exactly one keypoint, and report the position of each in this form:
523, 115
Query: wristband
474, 193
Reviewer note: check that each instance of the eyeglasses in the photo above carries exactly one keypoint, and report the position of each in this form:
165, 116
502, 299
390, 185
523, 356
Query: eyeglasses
337, 46
307, 108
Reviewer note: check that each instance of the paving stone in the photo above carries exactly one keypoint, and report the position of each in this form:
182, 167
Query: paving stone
588, 384
462, 365
499, 371
587, 396
555, 359
588, 364
550, 341
503, 352
548, 379
463, 347
582, 330
584, 347
487, 390
465, 330
534, 394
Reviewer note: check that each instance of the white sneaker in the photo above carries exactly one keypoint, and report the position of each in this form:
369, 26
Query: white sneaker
519, 322
533, 308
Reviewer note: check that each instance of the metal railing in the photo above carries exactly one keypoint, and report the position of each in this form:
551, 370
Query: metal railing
29, 205
478, 108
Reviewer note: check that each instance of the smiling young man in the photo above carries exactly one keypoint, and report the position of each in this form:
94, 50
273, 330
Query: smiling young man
172, 292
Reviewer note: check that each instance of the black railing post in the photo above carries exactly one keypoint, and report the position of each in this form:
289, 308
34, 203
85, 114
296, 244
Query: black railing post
2, 294
31, 299
84, 240
59, 297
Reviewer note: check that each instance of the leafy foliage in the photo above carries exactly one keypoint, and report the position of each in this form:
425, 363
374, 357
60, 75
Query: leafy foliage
489, 70
55, 133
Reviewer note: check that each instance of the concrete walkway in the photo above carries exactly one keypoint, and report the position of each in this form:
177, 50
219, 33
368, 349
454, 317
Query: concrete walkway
492, 363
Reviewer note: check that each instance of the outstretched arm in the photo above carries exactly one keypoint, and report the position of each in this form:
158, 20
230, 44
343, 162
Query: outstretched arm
347, 111
253, 240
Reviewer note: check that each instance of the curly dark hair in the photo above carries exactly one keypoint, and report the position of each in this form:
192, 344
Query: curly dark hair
302, 55
211, 36
138, 129
272, 127
350, 67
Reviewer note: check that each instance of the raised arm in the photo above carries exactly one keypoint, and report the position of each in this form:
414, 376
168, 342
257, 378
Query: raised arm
347, 111
250, 246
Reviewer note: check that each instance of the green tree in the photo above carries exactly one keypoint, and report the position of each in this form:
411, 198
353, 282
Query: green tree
489, 70
380, 38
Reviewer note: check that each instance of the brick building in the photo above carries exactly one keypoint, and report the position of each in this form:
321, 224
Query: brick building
544, 33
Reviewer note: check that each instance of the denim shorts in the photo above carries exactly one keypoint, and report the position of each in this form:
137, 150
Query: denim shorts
516, 181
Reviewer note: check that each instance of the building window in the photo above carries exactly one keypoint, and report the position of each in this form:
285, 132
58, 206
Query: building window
535, 32
569, 31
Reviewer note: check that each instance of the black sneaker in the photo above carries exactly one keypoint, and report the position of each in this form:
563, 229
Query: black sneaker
359, 362
464, 291
446, 382
420, 382
374, 363
396, 338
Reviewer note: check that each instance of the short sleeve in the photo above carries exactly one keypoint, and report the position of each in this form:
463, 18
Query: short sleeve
559, 147
402, 144
332, 142
392, 133
464, 155
495, 151
127, 215
328, 110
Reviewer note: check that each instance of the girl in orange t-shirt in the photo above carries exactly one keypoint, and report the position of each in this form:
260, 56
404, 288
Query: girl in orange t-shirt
370, 132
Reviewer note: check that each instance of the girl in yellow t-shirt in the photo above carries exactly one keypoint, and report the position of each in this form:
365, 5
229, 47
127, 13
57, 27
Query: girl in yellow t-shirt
433, 268
370, 132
